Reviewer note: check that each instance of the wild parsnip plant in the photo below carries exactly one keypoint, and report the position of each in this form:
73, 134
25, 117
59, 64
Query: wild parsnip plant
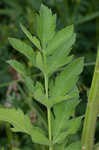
59, 95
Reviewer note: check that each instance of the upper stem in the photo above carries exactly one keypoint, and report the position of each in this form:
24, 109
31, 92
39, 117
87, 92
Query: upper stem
91, 111
48, 113
48, 109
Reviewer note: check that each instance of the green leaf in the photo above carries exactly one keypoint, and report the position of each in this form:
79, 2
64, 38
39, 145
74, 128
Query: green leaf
39, 94
36, 91
61, 53
33, 39
58, 99
74, 146
63, 112
23, 48
19, 67
39, 62
21, 123
50, 102
67, 79
71, 128
60, 38
54, 65
29, 84
45, 28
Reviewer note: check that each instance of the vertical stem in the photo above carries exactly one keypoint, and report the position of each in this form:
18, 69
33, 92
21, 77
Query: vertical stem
91, 111
49, 127
48, 113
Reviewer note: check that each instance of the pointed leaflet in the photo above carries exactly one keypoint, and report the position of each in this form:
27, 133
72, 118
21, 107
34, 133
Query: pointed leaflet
23, 48
66, 80
19, 67
62, 113
53, 66
34, 91
29, 84
61, 53
74, 146
46, 24
60, 38
21, 123
39, 94
33, 39
58, 99
39, 61
70, 128
37, 91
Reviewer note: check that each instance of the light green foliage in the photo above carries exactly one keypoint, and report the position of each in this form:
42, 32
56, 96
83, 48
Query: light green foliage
61, 53
22, 48
19, 67
29, 84
61, 94
63, 125
68, 77
33, 39
46, 24
21, 123
39, 61
61, 37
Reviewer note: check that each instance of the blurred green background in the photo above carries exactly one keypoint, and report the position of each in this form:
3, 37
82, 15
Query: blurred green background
84, 14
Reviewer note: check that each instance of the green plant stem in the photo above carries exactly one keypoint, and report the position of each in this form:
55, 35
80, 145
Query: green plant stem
48, 113
91, 111
49, 127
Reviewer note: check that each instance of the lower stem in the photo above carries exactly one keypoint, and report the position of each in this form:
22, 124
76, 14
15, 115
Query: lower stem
49, 114
49, 127
91, 111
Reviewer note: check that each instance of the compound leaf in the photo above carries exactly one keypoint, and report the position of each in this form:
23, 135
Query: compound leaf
21, 123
